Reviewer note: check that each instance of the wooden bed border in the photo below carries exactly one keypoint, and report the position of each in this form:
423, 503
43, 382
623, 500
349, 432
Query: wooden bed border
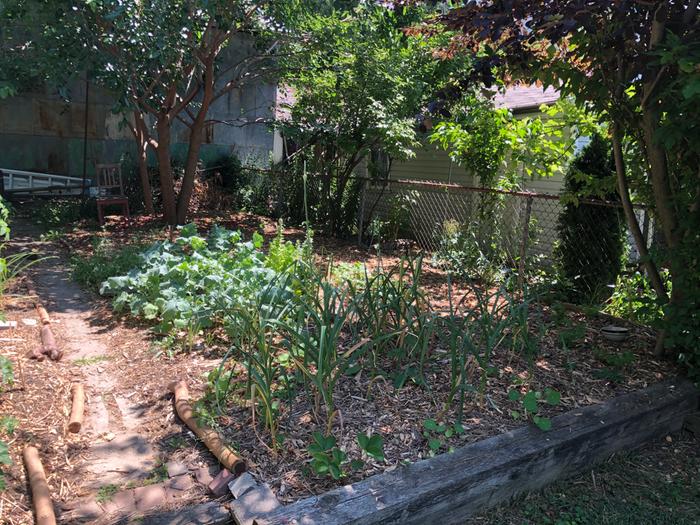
451, 487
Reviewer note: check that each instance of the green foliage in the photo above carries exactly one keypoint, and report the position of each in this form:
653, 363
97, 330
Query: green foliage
7, 377
646, 87
327, 458
472, 250
4, 460
530, 402
106, 261
391, 314
616, 363
435, 433
190, 284
499, 148
372, 445
354, 273
4, 220
359, 81
634, 298
8, 424
591, 247
54, 214
106, 492
472, 335
314, 343
253, 330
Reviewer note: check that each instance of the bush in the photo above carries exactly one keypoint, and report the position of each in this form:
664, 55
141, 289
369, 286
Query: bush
476, 248
591, 236
633, 298
60, 213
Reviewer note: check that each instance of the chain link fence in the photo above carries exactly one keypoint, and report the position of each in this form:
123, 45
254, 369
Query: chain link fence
516, 231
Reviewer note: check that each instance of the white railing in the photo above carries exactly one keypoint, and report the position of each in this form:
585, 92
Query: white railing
18, 181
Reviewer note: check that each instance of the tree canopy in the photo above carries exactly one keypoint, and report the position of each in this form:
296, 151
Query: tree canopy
637, 65
359, 85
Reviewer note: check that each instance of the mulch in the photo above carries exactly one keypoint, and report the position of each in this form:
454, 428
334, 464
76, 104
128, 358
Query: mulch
365, 404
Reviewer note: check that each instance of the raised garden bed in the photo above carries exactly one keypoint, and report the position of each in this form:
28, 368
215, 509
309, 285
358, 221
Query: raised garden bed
451, 487
568, 365
403, 388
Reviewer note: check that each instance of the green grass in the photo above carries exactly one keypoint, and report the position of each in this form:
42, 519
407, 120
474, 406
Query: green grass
88, 361
157, 475
657, 485
106, 261
106, 493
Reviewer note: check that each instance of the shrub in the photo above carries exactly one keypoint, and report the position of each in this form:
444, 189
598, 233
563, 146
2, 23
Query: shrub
468, 252
633, 298
58, 213
591, 243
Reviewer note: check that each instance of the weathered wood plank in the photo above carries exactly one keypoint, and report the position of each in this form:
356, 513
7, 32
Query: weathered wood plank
692, 423
211, 513
451, 487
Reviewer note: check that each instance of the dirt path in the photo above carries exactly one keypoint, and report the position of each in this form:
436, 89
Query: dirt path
127, 467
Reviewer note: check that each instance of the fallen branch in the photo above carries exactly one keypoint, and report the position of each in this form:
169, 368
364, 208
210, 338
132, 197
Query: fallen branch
43, 314
35, 354
76, 414
209, 437
49, 343
43, 507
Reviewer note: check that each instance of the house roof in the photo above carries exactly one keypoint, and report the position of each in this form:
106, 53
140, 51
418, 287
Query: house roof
523, 98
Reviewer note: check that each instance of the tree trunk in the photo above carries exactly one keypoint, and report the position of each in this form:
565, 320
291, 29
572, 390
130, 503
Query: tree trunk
141, 135
167, 183
660, 184
195, 143
623, 190
649, 266
145, 181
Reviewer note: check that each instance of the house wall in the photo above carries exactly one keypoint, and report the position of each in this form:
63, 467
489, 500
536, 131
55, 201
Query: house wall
433, 208
431, 163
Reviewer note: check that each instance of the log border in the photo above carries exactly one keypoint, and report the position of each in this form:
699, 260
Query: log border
452, 487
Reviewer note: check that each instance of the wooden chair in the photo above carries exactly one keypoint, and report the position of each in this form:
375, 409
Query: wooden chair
110, 190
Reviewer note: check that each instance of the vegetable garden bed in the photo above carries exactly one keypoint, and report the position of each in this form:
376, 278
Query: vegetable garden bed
332, 373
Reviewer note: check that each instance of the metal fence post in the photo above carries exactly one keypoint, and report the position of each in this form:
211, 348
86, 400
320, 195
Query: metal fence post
361, 214
524, 242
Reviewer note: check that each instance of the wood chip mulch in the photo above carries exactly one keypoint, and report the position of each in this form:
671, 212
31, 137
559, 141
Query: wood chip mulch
368, 404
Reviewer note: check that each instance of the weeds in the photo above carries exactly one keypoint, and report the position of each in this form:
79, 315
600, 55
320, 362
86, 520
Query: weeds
106, 493
89, 361
105, 262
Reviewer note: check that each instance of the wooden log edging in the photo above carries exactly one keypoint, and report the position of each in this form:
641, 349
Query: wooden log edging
41, 497
452, 487
213, 441
48, 341
75, 423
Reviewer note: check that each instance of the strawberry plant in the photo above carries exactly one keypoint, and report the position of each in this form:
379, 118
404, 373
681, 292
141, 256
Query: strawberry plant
372, 445
530, 402
436, 433
327, 458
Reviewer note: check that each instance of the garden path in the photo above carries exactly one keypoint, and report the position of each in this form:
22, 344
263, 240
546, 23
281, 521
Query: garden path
118, 452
